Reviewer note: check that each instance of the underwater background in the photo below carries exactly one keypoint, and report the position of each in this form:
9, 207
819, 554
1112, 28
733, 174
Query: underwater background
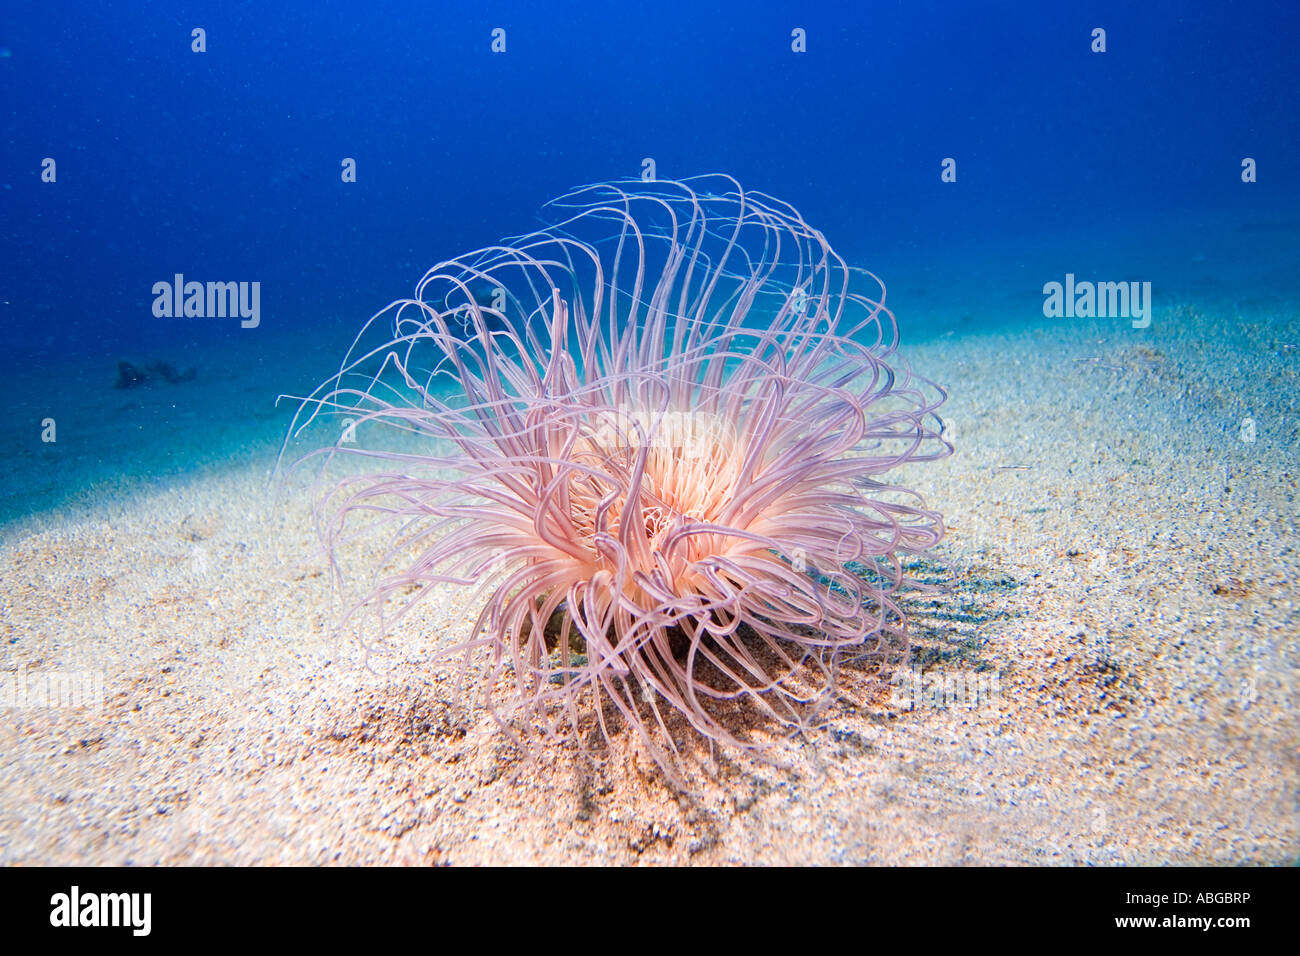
1117, 576
225, 165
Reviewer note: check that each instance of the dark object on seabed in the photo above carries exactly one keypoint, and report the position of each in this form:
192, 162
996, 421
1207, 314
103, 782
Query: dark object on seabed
129, 376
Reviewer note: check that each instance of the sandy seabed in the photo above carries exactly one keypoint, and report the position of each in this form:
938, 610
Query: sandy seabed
1122, 567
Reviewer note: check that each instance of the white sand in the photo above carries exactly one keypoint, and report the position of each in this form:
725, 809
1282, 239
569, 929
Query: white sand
1140, 616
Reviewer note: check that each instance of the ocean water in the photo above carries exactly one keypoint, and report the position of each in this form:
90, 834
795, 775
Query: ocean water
226, 165
1120, 512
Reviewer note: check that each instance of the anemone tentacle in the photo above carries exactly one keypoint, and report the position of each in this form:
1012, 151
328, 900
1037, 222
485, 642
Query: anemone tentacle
670, 424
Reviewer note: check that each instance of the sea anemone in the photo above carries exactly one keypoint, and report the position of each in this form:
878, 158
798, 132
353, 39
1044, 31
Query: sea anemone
655, 435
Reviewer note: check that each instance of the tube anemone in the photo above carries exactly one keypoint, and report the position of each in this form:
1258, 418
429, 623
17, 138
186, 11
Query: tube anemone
656, 435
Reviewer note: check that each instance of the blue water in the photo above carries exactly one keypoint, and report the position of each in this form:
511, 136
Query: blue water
225, 165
